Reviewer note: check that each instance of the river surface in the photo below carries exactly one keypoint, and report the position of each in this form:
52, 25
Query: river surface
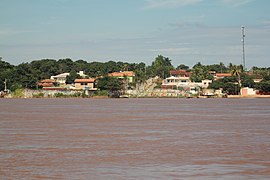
134, 139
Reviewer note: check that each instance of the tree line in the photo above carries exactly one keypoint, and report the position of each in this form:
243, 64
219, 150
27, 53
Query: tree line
26, 75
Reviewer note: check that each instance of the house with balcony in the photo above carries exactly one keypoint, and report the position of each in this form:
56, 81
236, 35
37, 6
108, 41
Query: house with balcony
181, 78
177, 77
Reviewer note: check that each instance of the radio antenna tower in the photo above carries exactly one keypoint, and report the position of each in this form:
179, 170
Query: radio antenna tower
243, 42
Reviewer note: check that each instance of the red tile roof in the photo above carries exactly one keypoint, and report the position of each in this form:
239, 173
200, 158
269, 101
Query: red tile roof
223, 75
90, 80
46, 84
121, 74
47, 81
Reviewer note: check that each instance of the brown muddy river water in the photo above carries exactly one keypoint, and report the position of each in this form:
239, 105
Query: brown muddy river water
134, 139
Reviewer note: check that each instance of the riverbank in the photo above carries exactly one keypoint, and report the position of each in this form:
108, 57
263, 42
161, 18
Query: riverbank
27, 93
250, 96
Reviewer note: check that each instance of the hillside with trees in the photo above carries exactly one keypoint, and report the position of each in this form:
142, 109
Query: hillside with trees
26, 75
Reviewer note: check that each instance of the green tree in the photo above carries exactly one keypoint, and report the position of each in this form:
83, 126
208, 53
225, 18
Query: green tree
219, 68
81, 65
96, 69
263, 87
126, 67
216, 85
182, 67
161, 67
5, 72
110, 84
230, 66
24, 76
247, 81
110, 66
236, 71
72, 76
45, 68
222, 67
65, 65
266, 77
200, 72
231, 88
140, 73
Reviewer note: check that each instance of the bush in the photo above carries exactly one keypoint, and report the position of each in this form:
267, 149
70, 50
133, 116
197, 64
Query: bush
84, 95
39, 95
59, 95
77, 94
263, 86
101, 93
18, 93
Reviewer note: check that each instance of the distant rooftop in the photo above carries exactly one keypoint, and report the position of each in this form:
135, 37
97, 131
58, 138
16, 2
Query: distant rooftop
122, 74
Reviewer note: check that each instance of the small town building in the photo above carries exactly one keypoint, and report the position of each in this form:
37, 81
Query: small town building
177, 78
246, 91
218, 76
60, 78
222, 75
85, 84
181, 78
46, 83
205, 83
125, 74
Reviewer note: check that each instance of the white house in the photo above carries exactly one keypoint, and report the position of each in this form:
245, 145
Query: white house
171, 82
246, 91
60, 78
177, 78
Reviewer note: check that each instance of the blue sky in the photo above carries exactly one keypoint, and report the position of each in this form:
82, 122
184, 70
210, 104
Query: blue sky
186, 31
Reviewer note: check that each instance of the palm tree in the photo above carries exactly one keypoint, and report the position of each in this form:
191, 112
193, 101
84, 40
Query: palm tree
125, 67
236, 71
221, 66
230, 66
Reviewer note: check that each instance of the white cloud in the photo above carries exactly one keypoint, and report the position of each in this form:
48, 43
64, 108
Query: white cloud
237, 3
169, 3
10, 32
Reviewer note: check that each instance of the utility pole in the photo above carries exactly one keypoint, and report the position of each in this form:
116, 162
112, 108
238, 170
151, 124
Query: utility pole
243, 43
5, 85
